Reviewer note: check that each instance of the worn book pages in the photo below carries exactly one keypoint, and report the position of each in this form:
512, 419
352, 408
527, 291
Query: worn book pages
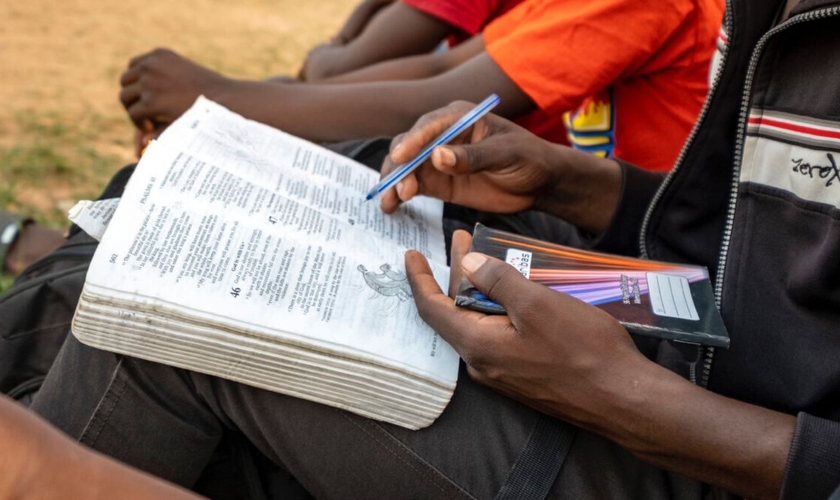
246, 253
94, 216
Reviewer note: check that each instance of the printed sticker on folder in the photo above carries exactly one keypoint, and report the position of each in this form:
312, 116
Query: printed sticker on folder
670, 296
521, 260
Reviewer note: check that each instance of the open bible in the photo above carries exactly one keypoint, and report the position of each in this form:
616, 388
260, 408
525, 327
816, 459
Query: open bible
242, 252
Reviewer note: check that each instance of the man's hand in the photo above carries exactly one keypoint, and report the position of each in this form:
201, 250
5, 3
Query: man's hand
497, 166
552, 352
161, 85
574, 361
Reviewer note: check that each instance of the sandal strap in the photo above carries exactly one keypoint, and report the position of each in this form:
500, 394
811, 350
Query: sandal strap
11, 226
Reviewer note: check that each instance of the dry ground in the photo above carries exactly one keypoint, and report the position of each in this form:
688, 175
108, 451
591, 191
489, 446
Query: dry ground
62, 129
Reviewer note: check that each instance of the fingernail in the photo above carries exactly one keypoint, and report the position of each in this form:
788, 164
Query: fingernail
400, 189
396, 149
472, 262
447, 157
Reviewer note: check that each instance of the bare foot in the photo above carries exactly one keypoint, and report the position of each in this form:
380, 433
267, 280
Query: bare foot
32, 243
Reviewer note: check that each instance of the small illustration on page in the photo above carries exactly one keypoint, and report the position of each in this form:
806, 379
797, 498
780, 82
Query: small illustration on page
389, 283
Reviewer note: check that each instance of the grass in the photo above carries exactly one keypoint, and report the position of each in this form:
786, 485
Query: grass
62, 129
5, 283
51, 166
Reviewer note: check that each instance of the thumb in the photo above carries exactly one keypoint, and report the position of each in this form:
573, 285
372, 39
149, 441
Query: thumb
498, 280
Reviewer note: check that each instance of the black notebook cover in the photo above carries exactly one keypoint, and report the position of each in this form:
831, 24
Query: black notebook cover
657, 299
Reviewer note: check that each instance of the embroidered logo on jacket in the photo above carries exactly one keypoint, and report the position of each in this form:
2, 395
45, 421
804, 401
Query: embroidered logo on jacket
829, 172
793, 153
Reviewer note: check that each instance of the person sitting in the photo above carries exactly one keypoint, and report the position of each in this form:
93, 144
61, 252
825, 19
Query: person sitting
385, 30
382, 30
633, 92
762, 419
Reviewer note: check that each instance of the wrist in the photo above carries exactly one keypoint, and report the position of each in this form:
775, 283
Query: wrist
585, 190
622, 394
232, 94
220, 87
628, 413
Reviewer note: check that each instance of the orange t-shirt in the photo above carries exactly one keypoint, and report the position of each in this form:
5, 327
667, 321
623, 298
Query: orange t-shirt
627, 78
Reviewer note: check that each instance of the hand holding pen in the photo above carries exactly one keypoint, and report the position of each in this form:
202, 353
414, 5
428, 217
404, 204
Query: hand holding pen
402, 171
493, 166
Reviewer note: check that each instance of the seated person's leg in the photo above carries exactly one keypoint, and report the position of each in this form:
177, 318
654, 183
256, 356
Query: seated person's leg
168, 421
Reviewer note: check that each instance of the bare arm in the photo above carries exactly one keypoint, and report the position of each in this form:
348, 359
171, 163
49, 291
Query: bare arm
161, 85
573, 361
414, 67
350, 111
358, 20
39, 462
674, 424
396, 31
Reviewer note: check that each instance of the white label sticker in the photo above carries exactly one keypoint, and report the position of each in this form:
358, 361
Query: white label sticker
670, 296
8, 234
521, 260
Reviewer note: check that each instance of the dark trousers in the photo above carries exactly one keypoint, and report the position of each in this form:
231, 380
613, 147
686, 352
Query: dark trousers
169, 421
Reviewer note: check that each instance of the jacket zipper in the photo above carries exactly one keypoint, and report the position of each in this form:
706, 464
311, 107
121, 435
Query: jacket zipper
738, 157
724, 56
709, 352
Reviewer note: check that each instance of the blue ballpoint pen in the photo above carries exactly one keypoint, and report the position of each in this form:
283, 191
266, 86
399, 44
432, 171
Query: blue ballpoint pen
464, 123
